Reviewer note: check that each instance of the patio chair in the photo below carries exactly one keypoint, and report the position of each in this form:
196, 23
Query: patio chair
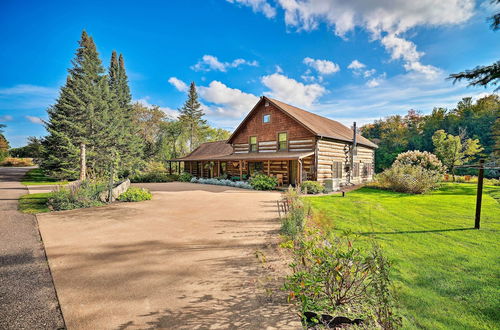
280, 179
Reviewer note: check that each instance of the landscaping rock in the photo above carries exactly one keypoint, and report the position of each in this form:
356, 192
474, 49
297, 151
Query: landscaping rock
117, 191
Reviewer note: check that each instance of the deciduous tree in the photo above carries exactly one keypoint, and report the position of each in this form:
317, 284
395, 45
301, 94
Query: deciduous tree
454, 150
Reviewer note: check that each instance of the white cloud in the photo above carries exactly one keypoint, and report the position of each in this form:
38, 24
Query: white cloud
167, 110
278, 69
386, 21
373, 83
322, 66
258, 6
180, 85
356, 65
210, 62
35, 120
25, 96
292, 91
6, 118
369, 73
227, 101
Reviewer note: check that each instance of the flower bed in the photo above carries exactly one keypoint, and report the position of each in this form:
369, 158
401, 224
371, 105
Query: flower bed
224, 182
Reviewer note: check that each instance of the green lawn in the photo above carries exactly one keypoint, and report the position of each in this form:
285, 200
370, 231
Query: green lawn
447, 275
34, 203
37, 177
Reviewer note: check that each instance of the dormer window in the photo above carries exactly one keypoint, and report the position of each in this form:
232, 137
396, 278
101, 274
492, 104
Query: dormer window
253, 144
266, 119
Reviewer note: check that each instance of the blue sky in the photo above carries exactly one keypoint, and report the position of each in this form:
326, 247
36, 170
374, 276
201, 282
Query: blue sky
349, 60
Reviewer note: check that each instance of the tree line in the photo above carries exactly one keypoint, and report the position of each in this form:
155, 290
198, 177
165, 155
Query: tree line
470, 127
94, 129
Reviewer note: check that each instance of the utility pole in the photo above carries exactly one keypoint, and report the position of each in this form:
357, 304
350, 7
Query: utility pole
479, 194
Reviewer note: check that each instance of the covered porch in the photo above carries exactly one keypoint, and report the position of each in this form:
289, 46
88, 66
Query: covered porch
288, 167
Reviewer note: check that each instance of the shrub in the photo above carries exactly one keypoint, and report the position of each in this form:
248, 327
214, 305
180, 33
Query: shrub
185, 177
17, 162
135, 194
85, 194
229, 183
408, 179
153, 177
422, 159
312, 187
331, 276
299, 211
263, 182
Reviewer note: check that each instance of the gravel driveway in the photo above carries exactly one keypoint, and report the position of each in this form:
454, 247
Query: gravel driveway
184, 260
27, 296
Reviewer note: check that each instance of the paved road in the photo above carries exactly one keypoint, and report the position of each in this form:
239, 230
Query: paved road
27, 296
184, 260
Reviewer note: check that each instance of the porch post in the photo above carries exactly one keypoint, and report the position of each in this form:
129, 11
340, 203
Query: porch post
179, 166
218, 168
241, 170
298, 179
191, 168
268, 168
170, 166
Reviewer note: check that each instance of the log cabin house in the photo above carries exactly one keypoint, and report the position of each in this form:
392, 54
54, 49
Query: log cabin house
289, 143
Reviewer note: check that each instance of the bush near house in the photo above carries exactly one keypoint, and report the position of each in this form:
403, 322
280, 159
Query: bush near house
229, 183
263, 182
424, 159
312, 187
135, 194
85, 194
185, 177
408, 179
413, 172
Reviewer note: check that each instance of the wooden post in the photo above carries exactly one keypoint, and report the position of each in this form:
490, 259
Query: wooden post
241, 170
179, 167
298, 177
83, 162
218, 168
479, 194
191, 168
170, 166
268, 168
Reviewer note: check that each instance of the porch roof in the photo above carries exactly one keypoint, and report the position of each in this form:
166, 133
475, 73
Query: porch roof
255, 156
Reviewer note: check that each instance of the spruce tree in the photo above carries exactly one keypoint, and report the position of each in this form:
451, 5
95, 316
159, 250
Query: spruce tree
129, 146
78, 122
191, 116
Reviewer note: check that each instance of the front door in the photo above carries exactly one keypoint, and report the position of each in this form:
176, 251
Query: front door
255, 167
292, 171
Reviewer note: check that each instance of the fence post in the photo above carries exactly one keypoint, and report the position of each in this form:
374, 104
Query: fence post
479, 194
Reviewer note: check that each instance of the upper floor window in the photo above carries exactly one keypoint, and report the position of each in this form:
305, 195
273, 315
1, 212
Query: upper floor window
253, 143
282, 141
266, 119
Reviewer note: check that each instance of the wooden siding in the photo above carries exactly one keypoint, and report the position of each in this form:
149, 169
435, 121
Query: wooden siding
268, 132
331, 152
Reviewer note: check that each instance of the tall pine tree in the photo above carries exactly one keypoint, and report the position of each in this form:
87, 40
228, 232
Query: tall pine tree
191, 116
129, 144
79, 123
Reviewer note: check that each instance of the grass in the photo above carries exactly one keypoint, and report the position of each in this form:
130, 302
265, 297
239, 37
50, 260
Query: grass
34, 203
446, 274
37, 177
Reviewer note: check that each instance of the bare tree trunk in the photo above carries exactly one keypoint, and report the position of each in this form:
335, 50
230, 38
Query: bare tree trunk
83, 162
